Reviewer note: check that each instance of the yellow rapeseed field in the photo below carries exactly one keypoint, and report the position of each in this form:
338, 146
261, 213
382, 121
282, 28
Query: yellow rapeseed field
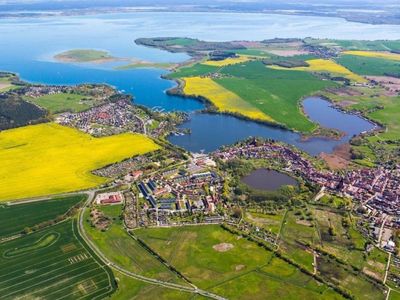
223, 99
376, 54
227, 61
326, 65
50, 159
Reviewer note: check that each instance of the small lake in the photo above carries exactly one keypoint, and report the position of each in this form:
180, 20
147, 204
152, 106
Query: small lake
268, 180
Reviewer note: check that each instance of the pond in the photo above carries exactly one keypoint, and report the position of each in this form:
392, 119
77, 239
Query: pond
268, 180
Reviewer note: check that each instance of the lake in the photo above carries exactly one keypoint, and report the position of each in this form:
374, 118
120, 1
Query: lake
28, 45
268, 180
211, 131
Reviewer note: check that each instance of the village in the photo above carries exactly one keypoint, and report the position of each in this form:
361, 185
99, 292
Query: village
377, 191
108, 119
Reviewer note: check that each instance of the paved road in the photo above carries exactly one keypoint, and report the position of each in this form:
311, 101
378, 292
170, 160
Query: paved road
129, 273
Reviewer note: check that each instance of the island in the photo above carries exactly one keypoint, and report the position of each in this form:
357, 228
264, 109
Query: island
84, 56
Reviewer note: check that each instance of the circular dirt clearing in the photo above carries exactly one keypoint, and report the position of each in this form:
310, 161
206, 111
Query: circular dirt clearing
223, 247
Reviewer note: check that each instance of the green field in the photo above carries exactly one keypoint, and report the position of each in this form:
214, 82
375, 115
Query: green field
296, 233
277, 93
195, 70
123, 250
63, 102
271, 223
53, 263
34, 213
359, 286
229, 265
370, 65
275, 280
130, 288
378, 45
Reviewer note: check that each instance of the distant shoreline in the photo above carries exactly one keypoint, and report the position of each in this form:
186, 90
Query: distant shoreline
366, 18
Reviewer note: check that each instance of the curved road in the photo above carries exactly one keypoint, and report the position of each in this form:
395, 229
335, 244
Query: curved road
128, 273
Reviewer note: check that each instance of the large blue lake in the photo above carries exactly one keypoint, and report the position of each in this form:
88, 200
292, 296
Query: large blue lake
28, 45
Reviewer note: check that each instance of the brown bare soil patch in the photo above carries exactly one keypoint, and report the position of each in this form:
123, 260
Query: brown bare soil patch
303, 222
4, 85
372, 273
344, 91
223, 247
390, 84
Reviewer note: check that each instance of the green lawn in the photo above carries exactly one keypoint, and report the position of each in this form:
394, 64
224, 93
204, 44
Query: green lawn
61, 268
14, 218
63, 102
277, 93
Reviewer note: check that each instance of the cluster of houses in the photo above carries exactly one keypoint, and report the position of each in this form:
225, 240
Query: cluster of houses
192, 187
98, 92
107, 119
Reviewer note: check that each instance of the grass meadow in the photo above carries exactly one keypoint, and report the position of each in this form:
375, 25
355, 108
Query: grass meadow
241, 271
62, 102
373, 66
277, 93
49, 159
119, 247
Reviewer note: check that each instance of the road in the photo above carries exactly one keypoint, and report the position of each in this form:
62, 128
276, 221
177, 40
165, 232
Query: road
381, 230
129, 273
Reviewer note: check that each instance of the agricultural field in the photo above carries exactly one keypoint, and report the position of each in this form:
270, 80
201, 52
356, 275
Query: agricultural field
119, 247
378, 45
223, 99
192, 71
61, 161
329, 66
365, 65
84, 55
34, 213
227, 61
53, 263
375, 54
229, 265
277, 93
63, 102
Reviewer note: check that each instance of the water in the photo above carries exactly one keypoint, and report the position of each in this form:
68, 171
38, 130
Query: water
321, 111
268, 180
27, 46
209, 131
